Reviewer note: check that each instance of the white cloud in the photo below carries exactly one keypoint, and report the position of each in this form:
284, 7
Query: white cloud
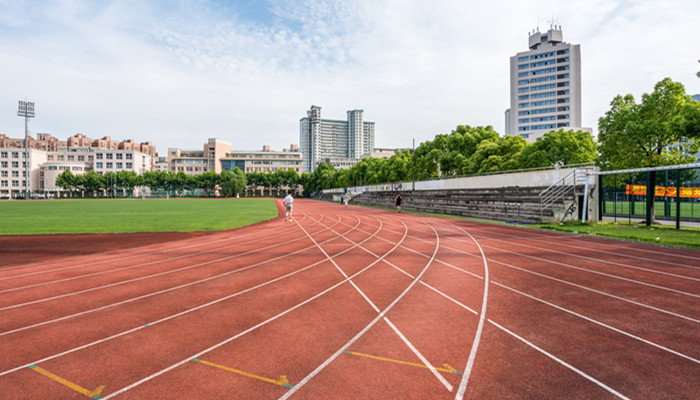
179, 74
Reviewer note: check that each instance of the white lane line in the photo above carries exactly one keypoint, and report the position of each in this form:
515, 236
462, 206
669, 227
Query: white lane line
598, 242
366, 328
597, 272
163, 260
109, 260
653, 271
565, 364
151, 276
661, 310
247, 267
480, 327
393, 327
586, 318
546, 277
289, 310
175, 315
650, 343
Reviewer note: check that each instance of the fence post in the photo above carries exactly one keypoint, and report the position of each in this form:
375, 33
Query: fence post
601, 196
651, 192
678, 199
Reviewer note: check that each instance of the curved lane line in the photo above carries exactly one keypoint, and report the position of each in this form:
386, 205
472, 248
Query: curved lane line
183, 313
289, 310
480, 326
396, 330
565, 364
366, 328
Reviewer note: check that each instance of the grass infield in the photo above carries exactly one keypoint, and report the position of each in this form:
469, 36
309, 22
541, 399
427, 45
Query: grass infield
131, 215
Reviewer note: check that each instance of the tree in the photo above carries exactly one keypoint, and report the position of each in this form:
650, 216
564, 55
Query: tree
233, 182
92, 181
559, 147
656, 132
66, 181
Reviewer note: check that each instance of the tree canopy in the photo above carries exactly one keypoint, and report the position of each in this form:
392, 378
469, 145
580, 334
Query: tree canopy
661, 130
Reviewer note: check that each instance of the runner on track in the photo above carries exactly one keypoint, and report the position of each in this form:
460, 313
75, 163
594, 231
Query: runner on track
288, 205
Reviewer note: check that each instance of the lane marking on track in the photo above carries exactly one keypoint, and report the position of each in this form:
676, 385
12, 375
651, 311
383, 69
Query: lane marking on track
282, 381
165, 273
203, 252
480, 326
370, 325
621, 265
116, 257
554, 279
564, 237
591, 271
245, 332
93, 394
371, 303
650, 343
565, 364
445, 367
192, 310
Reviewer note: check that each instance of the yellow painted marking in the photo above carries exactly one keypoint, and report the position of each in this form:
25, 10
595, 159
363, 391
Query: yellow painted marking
446, 368
282, 381
94, 394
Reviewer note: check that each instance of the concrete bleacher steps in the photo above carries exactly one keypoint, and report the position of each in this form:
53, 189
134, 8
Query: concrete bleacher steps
511, 204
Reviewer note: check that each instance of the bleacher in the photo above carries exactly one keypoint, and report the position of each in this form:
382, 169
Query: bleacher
511, 204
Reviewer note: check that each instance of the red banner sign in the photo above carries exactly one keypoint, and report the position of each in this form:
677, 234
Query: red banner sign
663, 191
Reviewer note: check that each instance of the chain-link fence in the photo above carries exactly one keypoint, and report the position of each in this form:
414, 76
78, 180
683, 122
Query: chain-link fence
666, 195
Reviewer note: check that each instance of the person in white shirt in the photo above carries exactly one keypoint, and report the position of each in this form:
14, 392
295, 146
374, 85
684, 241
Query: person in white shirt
288, 205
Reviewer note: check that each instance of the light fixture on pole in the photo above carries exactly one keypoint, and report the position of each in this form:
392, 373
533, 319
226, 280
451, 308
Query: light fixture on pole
26, 110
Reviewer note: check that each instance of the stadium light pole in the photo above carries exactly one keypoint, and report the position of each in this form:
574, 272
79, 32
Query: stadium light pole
26, 110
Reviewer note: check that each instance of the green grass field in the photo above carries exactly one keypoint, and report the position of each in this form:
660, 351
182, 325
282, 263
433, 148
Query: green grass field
131, 215
622, 208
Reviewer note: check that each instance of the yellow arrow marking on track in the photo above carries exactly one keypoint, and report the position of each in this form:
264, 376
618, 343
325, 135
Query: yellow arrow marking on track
282, 381
93, 394
447, 367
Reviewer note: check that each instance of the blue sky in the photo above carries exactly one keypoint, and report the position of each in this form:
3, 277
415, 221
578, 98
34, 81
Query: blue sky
177, 73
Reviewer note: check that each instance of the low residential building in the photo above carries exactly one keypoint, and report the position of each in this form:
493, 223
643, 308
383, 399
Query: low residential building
264, 160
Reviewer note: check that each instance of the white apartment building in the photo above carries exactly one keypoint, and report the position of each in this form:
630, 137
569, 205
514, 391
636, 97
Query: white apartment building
47, 162
324, 140
545, 86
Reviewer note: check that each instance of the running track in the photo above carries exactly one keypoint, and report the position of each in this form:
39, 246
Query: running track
354, 303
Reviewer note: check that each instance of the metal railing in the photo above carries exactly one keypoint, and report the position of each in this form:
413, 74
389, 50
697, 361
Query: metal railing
564, 187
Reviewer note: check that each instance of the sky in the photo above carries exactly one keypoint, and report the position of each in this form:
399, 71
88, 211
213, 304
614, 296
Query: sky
177, 73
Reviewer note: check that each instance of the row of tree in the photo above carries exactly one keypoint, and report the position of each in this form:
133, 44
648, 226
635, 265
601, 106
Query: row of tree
465, 151
228, 183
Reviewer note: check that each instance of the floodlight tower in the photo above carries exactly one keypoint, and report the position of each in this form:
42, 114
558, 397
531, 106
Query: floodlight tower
26, 110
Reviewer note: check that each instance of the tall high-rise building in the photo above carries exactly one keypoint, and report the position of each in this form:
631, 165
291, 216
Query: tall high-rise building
338, 142
545, 86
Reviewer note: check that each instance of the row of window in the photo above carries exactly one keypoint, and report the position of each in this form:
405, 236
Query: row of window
541, 95
542, 87
544, 110
15, 154
545, 62
15, 174
15, 164
110, 165
543, 79
543, 126
14, 183
543, 71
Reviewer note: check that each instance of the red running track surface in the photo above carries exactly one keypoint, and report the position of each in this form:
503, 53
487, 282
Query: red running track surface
345, 303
